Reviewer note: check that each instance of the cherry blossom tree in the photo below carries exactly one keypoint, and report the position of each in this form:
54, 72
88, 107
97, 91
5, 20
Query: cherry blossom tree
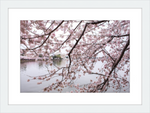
86, 43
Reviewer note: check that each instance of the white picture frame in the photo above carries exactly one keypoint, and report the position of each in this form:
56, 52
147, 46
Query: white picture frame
86, 4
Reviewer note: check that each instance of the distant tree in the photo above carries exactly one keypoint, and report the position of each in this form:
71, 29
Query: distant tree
107, 40
57, 56
40, 55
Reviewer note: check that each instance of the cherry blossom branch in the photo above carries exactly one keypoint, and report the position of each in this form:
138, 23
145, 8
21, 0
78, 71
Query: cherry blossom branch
98, 22
86, 39
116, 63
122, 53
69, 36
81, 36
89, 71
108, 54
47, 37
50, 25
28, 49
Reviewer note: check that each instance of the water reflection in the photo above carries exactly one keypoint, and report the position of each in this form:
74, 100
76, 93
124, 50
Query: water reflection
23, 66
29, 70
40, 64
38, 68
57, 62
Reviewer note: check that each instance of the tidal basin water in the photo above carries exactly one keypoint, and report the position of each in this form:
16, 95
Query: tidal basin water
38, 68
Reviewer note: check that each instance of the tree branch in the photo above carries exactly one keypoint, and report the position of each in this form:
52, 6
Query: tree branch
47, 37
122, 53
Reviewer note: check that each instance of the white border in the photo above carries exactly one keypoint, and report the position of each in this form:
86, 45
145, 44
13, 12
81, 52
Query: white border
15, 97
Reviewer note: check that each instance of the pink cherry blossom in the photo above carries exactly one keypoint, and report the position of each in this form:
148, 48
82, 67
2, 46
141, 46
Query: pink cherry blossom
98, 48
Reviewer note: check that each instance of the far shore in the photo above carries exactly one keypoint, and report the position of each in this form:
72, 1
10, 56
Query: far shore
27, 59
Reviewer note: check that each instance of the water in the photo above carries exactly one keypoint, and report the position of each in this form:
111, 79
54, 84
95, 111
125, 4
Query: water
28, 70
